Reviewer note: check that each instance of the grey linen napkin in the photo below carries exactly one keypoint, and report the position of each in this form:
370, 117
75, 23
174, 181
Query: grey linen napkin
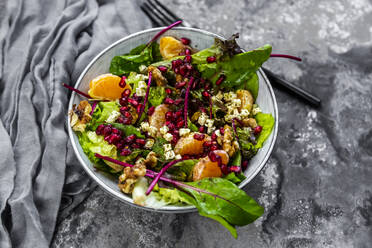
44, 43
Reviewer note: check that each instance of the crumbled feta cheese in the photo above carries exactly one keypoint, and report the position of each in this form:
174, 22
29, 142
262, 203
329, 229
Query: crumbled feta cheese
202, 118
184, 131
230, 109
229, 96
178, 156
244, 113
167, 147
163, 130
142, 68
256, 110
211, 129
218, 133
209, 123
113, 116
149, 143
219, 95
152, 130
145, 126
169, 155
236, 112
168, 136
236, 103
140, 92
142, 84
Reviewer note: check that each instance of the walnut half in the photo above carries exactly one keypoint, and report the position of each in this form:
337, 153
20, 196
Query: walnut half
130, 176
80, 116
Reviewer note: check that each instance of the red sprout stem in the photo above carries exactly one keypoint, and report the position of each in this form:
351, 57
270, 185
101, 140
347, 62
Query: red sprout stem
187, 100
286, 56
146, 96
152, 174
161, 172
94, 105
163, 31
76, 90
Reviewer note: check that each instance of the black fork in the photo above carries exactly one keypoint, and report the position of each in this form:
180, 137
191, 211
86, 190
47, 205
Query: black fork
161, 16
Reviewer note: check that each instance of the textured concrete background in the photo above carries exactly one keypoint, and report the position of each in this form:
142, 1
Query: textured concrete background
316, 188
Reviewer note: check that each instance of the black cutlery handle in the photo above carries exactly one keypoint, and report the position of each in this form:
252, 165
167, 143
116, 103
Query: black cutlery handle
292, 89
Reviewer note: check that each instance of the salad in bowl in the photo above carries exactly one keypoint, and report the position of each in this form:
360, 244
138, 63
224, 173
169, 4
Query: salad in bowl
178, 126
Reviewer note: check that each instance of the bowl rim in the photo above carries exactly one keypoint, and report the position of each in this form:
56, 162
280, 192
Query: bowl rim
118, 195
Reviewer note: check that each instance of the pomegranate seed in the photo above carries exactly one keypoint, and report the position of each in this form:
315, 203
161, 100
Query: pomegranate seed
207, 86
119, 146
120, 119
169, 116
167, 123
171, 126
188, 52
174, 139
180, 84
123, 83
176, 63
222, 131
177, 114
182, 54
127, 121
211, 59
207, 143
124, 110
176, 132
99, 129
180, 124
188, 66
168, 91
245, 164
224, 169
169, 101
125, 152
133, 102
107, 138
199, 136
107, 131
257, 129
214, 136
123, 101
115, 131
185, 41
130, 138
127, 114
202, 109
220, 79
126, 93
141, 142
182, 70
195, 84
187, 59
163, 68
206, 94
186, 156
214, 147
236, 169
178, 101
135, 146
139, 108
202, 129
151, 110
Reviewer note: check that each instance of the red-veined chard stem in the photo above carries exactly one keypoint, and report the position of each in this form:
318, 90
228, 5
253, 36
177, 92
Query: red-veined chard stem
187, 100
146, 96
163, 31
76, 90
286, 56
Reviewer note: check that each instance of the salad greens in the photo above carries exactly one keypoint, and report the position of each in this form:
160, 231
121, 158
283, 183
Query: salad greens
185, 113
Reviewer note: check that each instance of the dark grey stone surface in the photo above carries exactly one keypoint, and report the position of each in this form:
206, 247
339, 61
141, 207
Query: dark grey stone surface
316, 188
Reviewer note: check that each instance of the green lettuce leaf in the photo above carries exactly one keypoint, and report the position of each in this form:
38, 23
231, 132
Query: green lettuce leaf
101, 113
157, 95
235, 177
183, 169
91, 143
223, 201
141, 55
192, 126
267, 122
159, 149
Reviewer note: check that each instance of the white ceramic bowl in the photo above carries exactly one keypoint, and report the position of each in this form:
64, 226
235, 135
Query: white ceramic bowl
200, 39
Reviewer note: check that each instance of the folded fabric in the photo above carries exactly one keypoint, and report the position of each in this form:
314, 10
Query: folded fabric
44, 43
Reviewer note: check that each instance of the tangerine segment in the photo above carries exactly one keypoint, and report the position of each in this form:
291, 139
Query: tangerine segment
106, 87
206, 168
170, 47
157, 119
190, 146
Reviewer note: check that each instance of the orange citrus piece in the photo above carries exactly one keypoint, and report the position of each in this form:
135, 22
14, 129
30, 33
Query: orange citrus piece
206, 168
106, 87
170, 47
190, 146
